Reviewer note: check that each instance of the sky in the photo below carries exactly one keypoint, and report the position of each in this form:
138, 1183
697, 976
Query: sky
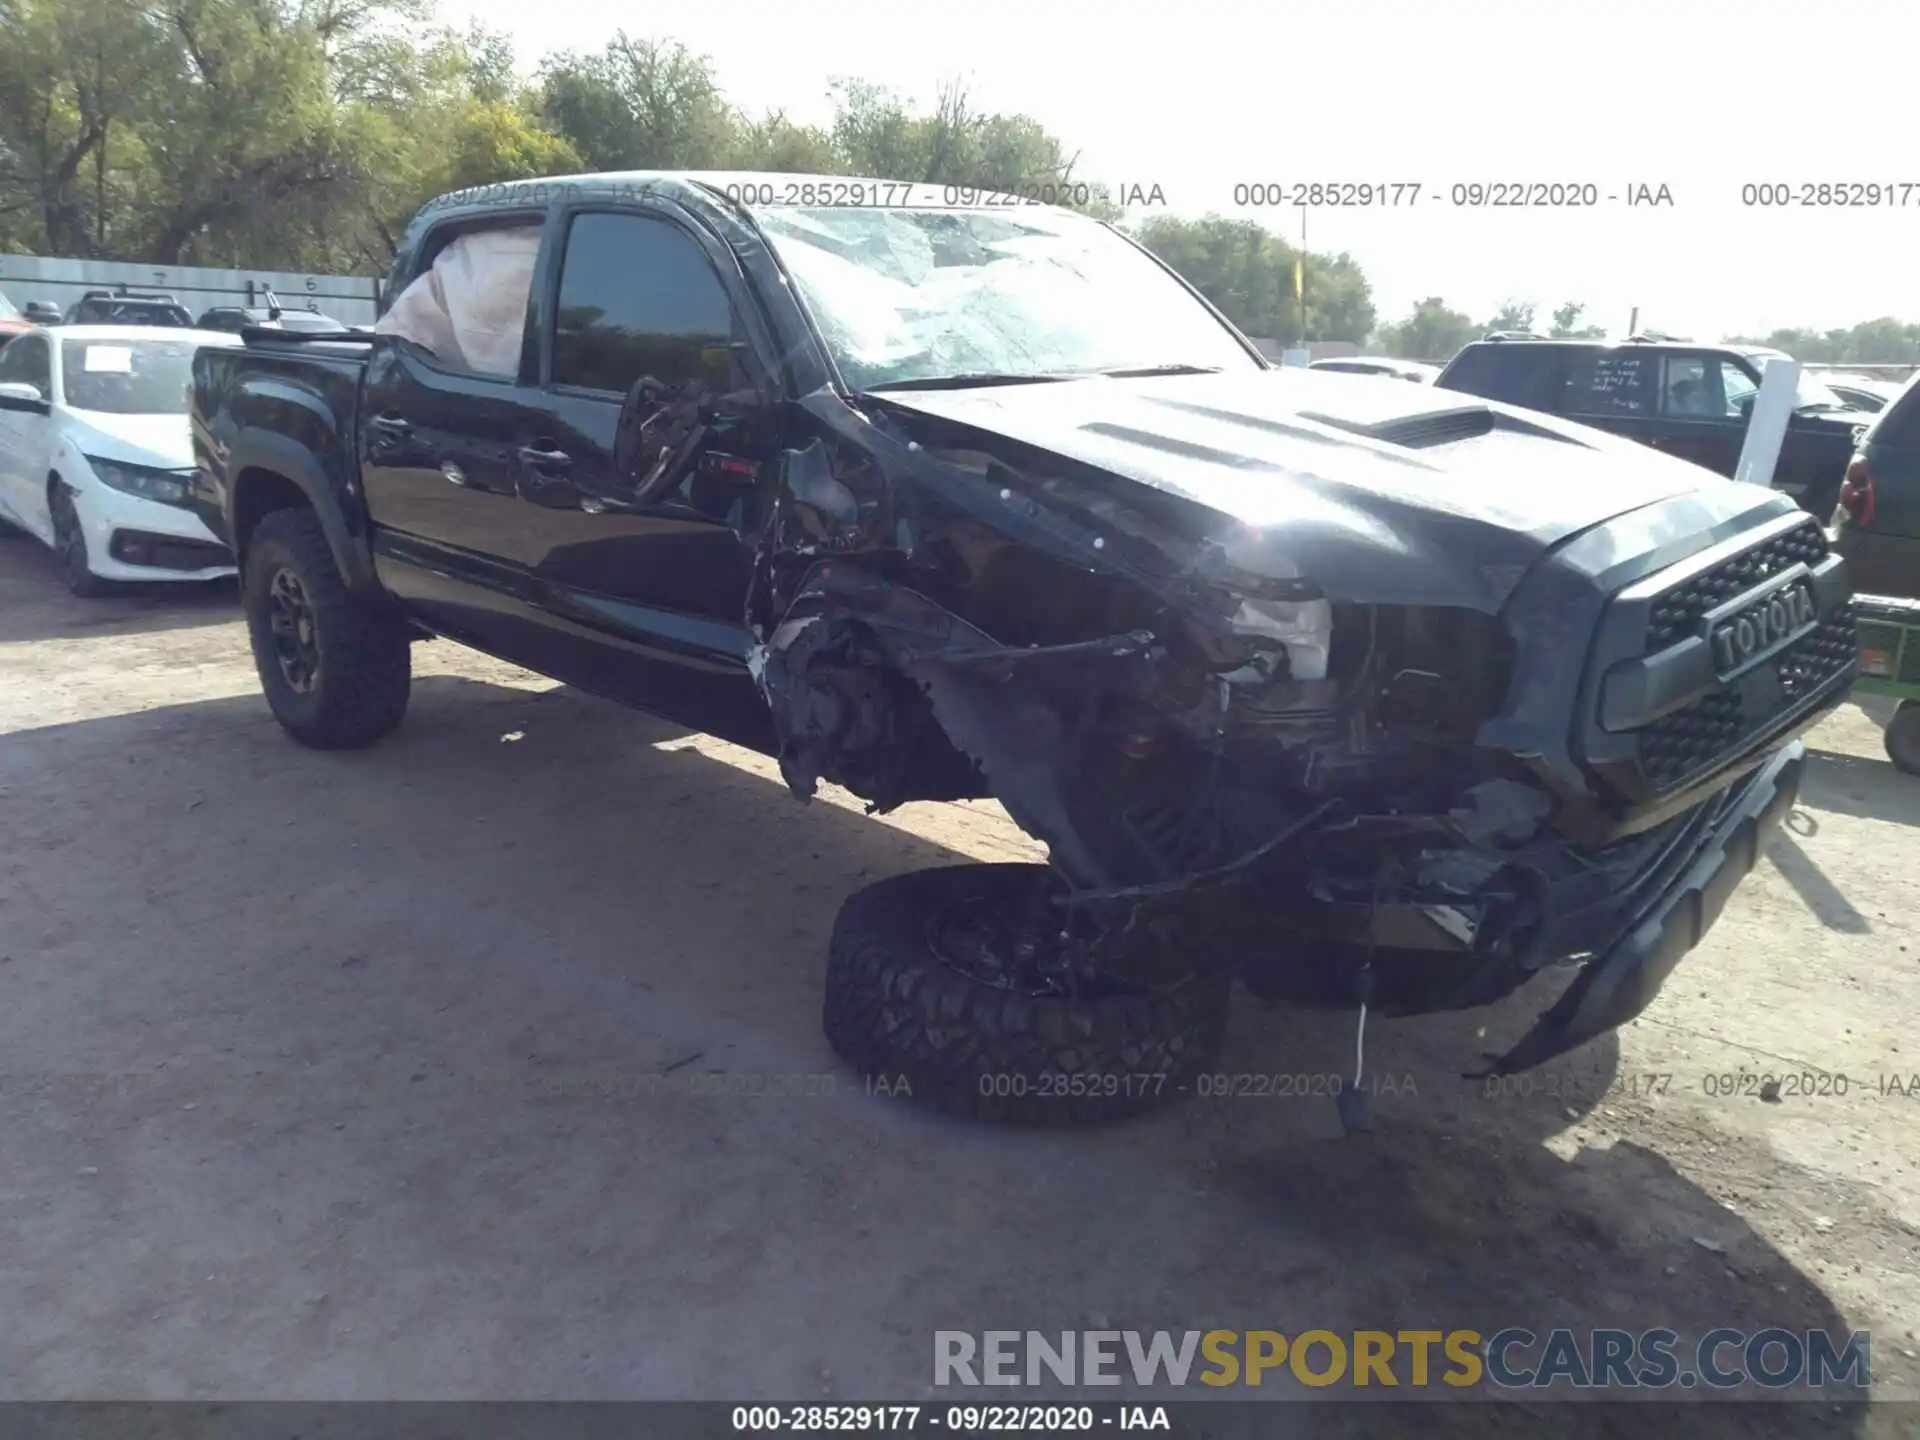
1197, 98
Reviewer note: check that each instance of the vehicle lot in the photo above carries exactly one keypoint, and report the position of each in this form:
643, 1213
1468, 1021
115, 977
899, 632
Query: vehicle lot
409, 1073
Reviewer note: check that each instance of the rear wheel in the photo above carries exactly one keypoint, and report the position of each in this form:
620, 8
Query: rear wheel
965, 989
1903, 737
336, 670
70, 546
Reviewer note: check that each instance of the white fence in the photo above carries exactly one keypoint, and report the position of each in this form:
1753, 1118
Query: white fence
350, 299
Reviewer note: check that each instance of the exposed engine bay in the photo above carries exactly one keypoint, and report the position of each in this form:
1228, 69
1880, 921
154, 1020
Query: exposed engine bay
1169, 725
1316, 782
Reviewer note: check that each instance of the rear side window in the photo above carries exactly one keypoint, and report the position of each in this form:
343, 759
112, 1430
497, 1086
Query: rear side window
1607, 383
1899, 423
1532, 376
468, 309
1703, 387
639, 297
1476, 371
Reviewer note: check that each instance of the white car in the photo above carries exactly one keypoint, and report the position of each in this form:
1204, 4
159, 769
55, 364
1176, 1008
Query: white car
95, 455
1861, 393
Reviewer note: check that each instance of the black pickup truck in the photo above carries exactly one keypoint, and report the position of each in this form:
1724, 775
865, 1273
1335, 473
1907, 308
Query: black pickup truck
1686, 400
1378, 697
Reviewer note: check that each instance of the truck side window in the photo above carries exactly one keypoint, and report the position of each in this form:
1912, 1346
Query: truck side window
1476, 371
1515, 374
639, 297
1736, 388
1691, 387
1600, 383
468, 309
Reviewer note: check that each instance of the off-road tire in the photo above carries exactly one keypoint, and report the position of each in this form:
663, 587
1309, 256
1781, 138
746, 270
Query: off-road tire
70, 547
365, 671
1903, 737
920, 1028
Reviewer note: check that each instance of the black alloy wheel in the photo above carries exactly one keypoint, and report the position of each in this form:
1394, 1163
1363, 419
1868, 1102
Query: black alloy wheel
296, 646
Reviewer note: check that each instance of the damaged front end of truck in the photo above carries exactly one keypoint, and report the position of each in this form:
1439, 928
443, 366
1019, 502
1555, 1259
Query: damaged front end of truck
1288, 773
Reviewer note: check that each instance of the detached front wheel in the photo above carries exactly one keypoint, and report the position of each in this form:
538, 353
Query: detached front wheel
335, 669
968, 990
1903, 737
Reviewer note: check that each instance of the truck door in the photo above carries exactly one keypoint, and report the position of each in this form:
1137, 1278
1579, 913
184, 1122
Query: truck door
642, 291
1613, 390
1703, 405
437, 436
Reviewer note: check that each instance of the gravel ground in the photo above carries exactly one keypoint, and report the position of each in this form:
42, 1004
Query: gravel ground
487, 1064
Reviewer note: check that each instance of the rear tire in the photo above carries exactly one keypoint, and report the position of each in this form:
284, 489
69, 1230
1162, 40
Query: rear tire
336, 670
1903, 737
896, 1011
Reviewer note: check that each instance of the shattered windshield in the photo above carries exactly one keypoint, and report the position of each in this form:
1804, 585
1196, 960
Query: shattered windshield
923, 295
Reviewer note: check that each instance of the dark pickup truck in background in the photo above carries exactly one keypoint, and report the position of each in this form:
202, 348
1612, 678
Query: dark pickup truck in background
1686, 400
1371, 694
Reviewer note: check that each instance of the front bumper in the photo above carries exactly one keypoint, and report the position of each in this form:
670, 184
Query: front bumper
1691, 887
132, 538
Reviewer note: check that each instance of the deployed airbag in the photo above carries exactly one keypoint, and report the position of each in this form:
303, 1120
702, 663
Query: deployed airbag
470, 306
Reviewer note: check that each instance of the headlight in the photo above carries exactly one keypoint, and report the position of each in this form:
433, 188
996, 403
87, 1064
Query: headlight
169, 487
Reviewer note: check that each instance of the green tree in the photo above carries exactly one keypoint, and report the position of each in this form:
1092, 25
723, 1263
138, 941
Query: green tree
638, 105
777, 145
302, 134
1247, 271
1567, 326
1432, 332
75, 76
1512, 315
878, 133
1882, 341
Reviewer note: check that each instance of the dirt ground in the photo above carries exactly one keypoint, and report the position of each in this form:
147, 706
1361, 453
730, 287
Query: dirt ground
405, 1074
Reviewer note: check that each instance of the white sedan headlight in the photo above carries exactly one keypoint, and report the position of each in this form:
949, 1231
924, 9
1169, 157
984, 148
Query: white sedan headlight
169, 487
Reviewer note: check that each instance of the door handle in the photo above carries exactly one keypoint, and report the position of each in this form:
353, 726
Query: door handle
544, 459
394, 425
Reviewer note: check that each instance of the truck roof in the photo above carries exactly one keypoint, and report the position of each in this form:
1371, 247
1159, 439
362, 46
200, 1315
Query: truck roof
752, 189
1636, 342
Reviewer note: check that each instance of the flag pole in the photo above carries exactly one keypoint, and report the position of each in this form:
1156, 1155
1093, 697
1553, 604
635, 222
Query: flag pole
1300, 276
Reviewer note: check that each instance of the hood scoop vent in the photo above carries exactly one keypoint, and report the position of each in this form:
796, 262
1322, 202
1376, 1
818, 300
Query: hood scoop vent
1446, 427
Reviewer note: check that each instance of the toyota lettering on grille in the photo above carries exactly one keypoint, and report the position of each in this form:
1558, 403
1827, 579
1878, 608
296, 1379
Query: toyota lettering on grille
1763, 626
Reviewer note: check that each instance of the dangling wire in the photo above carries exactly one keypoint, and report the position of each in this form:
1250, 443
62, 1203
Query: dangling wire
1360, 1046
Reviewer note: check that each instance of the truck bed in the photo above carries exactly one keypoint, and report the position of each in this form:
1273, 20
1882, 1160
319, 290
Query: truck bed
298, 392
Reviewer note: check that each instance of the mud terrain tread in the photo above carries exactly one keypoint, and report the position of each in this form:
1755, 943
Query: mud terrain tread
366, 669
894, 1011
